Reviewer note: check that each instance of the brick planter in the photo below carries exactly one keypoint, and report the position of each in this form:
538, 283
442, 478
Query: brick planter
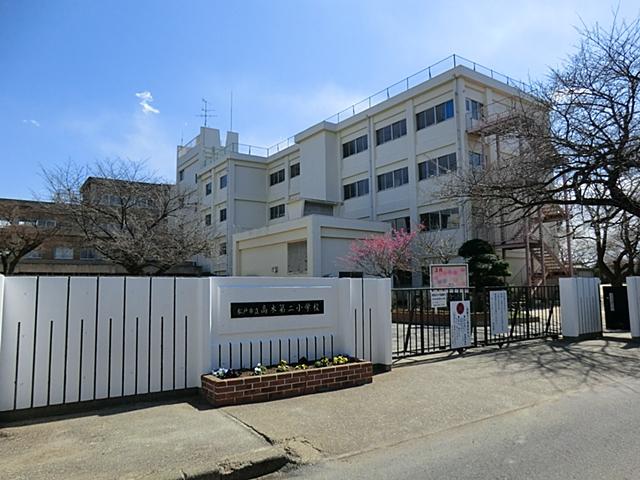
235, 391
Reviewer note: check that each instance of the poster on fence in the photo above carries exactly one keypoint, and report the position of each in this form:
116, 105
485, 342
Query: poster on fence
460, 322
439, 299
449, 275
499, 308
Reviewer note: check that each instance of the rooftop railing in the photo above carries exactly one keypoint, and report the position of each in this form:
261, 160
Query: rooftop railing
397, 88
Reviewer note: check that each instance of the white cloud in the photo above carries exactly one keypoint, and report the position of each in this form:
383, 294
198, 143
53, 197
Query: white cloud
35, 123
145, 99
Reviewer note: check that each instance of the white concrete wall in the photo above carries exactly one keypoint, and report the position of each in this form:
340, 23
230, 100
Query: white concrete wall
71, 339
580, 307
633, 297
86, 338
1, 304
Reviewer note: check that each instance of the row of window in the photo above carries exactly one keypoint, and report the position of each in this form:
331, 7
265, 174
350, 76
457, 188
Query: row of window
208, 188
278, 176
437, 166
447, 219
433, 115
65, 253
440, 220
276, 211
427, 169
426, 118
357, 145
222, 215
356, 189
391, 132
393, 179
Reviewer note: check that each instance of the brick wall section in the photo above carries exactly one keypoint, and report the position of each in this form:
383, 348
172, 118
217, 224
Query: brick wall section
235, 391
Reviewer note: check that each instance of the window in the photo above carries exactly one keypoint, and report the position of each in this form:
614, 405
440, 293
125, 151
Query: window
223, 248
207, 219
433, 115
476, 160
437, 166
88, 254
207, 189
391, 132
294, 170
402, 223
181, 175
357, 145
393, 179
34, 254
45, 223
223, 214
441, 220
196, 178
475, 110
356, 189
63, 253
223, 182
277, 211
317, 208
276, 177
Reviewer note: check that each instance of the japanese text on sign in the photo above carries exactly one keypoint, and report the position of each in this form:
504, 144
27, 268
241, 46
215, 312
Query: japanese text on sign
449, 276
276, 309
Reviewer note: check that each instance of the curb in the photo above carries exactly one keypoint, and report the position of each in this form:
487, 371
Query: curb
243, 467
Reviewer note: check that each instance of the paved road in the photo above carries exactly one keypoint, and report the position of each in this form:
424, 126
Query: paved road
585, 435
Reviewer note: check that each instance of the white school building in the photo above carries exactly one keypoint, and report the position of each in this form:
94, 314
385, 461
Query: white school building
294, 209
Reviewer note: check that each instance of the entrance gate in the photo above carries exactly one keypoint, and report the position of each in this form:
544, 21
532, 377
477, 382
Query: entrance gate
421, 317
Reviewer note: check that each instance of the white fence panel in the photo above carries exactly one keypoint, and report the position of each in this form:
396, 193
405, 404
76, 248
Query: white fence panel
188, 328
81, 339
633, 297
49, 354
19, 310
580, 307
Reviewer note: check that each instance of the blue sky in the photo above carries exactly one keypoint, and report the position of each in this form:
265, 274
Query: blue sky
70, 70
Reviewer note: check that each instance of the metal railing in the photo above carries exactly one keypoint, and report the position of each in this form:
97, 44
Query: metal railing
397, 88
419, 328
247, 354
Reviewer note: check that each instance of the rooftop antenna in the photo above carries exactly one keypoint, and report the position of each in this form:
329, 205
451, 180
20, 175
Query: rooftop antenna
205, 111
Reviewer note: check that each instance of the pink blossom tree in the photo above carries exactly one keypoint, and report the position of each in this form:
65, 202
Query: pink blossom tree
383, 255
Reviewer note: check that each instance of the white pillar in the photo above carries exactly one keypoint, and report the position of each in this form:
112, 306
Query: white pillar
1, 305
633, 295
580, 307
381, 323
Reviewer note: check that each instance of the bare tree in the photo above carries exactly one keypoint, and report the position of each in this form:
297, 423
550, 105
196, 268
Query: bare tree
24, 226
612, 243
129, 216
573, 140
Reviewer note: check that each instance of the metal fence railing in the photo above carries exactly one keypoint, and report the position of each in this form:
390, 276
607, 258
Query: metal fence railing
421, 328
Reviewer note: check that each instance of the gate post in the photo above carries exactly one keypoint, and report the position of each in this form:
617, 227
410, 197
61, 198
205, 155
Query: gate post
633, 297
1, 305
580, 308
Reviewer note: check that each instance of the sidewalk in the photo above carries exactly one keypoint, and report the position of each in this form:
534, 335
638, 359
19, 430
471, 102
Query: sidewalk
416, 399
149, 441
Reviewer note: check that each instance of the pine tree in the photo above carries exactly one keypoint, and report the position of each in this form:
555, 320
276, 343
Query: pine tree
486, 269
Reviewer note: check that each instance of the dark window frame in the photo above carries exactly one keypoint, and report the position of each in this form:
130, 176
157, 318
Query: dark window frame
394, 179
276, 177
277, 211
391, 132
294, 170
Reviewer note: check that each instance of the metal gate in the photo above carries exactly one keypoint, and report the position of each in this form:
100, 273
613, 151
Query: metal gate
421, 328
